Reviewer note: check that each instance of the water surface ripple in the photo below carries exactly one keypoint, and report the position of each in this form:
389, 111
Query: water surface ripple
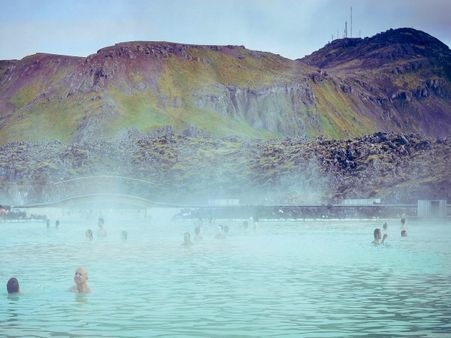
306, 279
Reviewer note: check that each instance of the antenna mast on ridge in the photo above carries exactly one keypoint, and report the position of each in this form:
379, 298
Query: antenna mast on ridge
351, 21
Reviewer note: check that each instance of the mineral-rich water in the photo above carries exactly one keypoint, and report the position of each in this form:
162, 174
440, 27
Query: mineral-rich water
292, 279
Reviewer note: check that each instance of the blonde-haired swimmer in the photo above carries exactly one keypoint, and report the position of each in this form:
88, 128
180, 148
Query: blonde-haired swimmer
81, 281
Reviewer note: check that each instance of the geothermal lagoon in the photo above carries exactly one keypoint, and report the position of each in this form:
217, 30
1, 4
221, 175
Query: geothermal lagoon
312, 278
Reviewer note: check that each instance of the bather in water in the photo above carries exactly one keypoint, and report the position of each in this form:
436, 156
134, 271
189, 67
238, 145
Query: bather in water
221, 233
378, 239
89, 235
101, 232
403, 227
13, 286
187, 240
81, 281
197, 235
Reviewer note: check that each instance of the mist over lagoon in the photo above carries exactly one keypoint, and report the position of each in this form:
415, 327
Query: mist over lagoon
225, 169
282, 277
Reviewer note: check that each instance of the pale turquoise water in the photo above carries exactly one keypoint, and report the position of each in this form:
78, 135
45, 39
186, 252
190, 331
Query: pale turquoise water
306, 279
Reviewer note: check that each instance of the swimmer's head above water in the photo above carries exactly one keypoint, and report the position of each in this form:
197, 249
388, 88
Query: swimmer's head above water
13, 285
81, 281
377, 236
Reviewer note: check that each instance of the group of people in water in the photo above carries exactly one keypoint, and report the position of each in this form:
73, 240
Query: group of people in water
89, 234
101, 231
381, 236
81, 274
222, 232
80, 279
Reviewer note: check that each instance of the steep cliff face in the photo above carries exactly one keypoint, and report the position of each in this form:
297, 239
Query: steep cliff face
396, 81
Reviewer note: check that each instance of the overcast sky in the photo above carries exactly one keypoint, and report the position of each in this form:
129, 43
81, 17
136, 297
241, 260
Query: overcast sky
291, 28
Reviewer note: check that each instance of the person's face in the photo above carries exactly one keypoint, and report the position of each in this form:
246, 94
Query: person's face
81, 276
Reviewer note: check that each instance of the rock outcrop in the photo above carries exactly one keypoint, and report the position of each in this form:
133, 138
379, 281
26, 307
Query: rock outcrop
396, 167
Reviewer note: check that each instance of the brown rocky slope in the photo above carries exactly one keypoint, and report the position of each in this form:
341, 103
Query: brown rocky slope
396, 81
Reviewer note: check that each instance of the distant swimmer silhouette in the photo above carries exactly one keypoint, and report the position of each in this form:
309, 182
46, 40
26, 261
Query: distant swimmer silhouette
384, 230
187, 240
197, 234
101, 232
403, 227
221, 233
89, 235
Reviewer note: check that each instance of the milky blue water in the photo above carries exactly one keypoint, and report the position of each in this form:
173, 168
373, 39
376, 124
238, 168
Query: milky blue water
292, 279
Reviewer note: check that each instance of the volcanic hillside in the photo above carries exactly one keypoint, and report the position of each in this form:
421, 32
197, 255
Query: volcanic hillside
395, 81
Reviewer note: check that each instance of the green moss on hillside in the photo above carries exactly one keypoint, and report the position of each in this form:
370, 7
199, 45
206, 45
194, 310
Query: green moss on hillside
337, 114
137, 110
48, 120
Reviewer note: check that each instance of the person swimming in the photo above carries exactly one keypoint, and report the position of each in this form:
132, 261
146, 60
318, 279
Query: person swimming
378, 239
384, 230
81, 281
403, 227
197, 235
13, 285
221, 233
377, 236
187, 240
101, 232
89, 235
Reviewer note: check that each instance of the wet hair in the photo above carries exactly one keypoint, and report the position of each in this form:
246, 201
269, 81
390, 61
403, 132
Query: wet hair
101, 221
377, 233
13, 285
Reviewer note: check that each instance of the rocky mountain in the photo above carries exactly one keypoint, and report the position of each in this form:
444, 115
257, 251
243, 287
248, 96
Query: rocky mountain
403, 74
357, 118
396, 81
